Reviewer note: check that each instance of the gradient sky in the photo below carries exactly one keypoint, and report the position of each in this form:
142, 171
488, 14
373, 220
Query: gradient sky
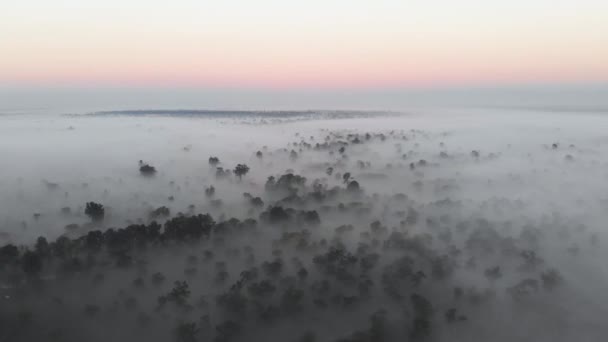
301, 44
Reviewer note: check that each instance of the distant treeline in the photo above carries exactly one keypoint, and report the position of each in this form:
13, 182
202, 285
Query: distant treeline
245, 113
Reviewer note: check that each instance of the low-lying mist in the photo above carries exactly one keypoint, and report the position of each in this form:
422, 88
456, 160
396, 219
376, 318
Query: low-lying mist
462, 225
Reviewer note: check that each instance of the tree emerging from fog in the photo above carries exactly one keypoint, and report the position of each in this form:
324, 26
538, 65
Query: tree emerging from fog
241, 170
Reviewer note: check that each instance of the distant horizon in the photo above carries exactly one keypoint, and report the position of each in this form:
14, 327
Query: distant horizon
583, 96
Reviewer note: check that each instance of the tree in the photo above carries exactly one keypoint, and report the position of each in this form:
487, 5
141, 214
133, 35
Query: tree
240, 170
309, 217
147, 169
256, 202
353, 186
421, 325
189, 227
377, 331
178, 295
291, 300
91, 310
213, 161
42, 246
551, 279
221, 173
277, 214
226, 331
308, 336
158, 278
186, 332
31, 263
9, 253
421, 328
95, 211
493, 273
422, 306
210, 191
160, 212
263, 288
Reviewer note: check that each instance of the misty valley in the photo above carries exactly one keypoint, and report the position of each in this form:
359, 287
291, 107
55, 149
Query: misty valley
462, 225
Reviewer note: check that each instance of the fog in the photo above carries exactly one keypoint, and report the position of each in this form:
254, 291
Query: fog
85, 98
451, 224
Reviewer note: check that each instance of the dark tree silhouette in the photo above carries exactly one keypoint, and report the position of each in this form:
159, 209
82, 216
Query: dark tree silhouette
9, 253
276, 215
189, 227
551, 279
214, 161
95, 211
377, 330
160, 212
31, 263
353, 186
178, 295
256, 202
186, 332
221, 173
91, 310
240, 170
147, 169
291, 300
309, 217
158, 278
42, 247
226, 331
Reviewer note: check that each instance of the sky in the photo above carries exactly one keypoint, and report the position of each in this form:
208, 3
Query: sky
311, 45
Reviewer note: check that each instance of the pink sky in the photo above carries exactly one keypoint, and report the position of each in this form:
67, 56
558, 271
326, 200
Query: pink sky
316, 44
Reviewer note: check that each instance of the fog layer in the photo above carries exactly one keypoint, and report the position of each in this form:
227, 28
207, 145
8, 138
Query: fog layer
451, 225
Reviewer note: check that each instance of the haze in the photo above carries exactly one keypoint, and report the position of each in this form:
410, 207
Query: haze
314, 171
